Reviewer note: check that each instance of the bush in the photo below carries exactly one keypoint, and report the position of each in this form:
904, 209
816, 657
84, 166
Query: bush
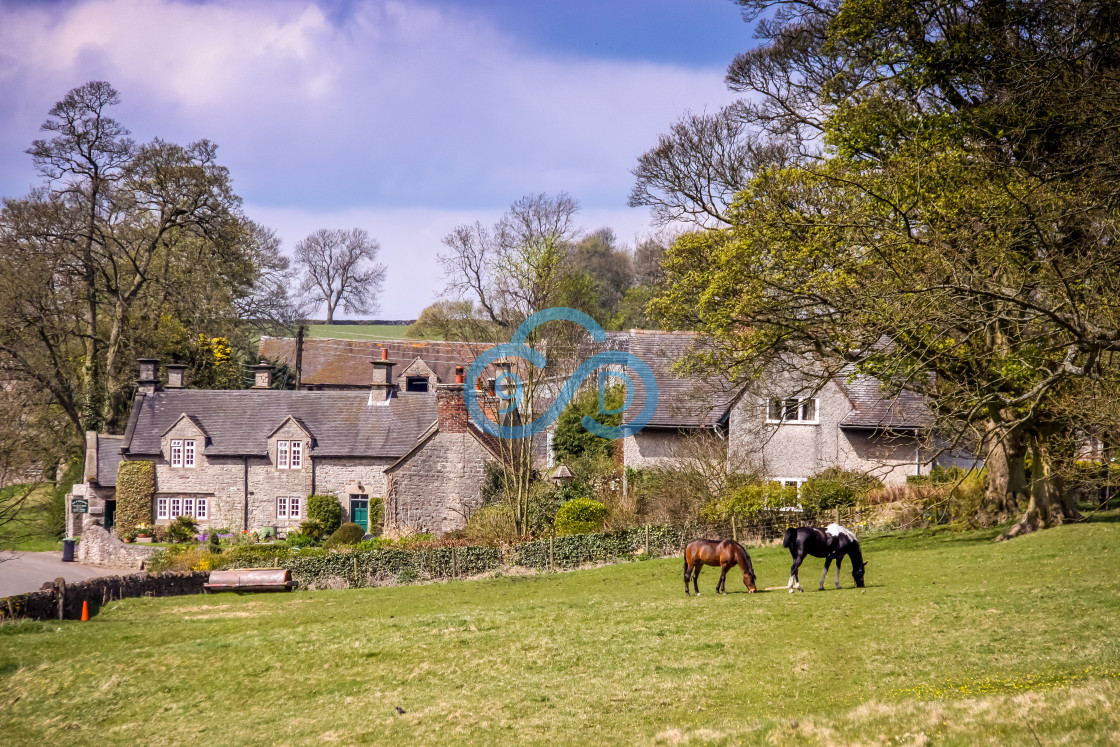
300, 539
376, 515
326, 510
490, 524
580, 516
836, 488
136, 486
313, 530
347, 534
183, 529
571, 440
749, 500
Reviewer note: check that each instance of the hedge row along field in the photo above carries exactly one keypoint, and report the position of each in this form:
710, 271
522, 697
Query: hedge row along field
318, 569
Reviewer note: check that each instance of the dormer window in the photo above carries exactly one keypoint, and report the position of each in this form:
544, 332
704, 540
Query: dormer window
416, 384
183, 453
289, 455
792, 410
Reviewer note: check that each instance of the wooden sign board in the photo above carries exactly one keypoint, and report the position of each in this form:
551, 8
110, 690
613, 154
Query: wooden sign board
79, 506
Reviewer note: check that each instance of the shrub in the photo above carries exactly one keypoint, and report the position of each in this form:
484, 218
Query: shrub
571, 440
749, 500
215, 543
376, 515
347, 534
136, 486
326, 510
300, 539
836, 488
183, 529
490, 524
580, 516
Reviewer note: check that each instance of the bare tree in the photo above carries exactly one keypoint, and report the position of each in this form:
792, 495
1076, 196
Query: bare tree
695, 171
341, 270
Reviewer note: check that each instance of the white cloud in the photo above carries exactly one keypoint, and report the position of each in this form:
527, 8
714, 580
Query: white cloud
410, 114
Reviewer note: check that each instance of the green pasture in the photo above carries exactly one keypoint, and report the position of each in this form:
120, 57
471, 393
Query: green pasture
357, 331
956, 640
30, 530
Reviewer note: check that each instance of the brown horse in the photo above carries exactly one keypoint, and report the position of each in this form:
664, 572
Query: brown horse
724, 553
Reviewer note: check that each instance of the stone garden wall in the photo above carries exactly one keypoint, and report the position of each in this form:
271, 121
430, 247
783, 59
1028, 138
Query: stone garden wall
99, 547
59, 600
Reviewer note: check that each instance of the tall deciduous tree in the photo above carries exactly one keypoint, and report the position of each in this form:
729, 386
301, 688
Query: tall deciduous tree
340, 270
120, 237
949, 223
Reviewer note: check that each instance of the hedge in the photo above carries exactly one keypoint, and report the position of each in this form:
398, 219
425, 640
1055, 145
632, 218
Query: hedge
363, 568
136, 487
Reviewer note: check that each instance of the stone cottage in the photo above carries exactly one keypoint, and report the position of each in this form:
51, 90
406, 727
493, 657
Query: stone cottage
250, 458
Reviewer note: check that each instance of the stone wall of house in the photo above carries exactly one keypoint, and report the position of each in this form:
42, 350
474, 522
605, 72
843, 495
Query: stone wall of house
221, 480
97, 497
800, 450
661, 447
100, 547
266, 483
344, 477
438, 486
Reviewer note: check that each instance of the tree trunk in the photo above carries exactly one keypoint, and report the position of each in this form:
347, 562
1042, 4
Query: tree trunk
1049, 506
1005, 486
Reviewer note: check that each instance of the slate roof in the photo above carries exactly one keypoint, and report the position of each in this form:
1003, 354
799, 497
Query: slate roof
108, 459
872, 409
346, 363
682, 401
239, 422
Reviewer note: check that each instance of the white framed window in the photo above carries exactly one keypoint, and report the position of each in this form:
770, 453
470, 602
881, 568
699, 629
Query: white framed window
188, 453
792, 410
161, 508
289, 507
200, 507
188, 507
176, 452
297, 455
281, 455
176, 508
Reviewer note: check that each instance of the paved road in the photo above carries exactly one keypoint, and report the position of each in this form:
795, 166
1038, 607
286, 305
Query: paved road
27, 571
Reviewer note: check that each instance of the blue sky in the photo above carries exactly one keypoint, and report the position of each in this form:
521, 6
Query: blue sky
404, 118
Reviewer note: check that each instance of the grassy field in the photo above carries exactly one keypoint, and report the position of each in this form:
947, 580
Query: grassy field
357, 331
956, 640
30, 530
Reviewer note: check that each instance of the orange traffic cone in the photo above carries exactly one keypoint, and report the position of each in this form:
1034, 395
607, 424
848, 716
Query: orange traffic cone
85, 611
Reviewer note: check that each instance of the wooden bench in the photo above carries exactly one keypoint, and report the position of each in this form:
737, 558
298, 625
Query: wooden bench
250, 579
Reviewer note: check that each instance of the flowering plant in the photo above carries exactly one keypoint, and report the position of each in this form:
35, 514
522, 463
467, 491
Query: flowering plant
143, 530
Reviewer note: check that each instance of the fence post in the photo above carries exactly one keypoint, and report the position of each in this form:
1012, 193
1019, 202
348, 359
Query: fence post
734, 529
647, 540
454, 562
551, 567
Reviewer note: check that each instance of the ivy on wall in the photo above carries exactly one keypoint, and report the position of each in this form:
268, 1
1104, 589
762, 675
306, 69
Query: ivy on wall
136, 486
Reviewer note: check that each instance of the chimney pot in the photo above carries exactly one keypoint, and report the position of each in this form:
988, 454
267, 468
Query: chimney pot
460, 377
176, 376
384, 354
148, 381
262, 377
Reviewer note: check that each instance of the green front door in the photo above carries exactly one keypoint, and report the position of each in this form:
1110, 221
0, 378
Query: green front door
359, 511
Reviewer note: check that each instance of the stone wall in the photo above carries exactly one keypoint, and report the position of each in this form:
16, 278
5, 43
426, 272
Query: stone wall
438, 486
59, 600
99, 547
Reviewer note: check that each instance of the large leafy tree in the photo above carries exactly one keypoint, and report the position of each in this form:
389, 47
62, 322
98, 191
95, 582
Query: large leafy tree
947, 222
121, 240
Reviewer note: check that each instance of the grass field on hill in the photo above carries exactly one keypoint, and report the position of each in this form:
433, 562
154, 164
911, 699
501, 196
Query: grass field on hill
955, 640
357, 331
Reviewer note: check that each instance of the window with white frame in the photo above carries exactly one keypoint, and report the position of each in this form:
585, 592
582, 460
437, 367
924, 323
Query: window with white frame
792, 410
289, 455
183, 453
170, 508
289, 507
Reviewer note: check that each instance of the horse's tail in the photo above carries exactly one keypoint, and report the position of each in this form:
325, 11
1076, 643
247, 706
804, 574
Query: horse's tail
787, 542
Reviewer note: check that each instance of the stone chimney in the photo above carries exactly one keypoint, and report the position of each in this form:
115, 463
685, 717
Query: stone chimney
176, 376
382, 386
262, 376
451, 408
148, 382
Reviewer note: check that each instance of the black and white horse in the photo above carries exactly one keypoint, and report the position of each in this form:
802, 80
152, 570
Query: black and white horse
831, 543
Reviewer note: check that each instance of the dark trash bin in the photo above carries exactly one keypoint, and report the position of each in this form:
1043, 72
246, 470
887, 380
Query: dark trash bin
68, 550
